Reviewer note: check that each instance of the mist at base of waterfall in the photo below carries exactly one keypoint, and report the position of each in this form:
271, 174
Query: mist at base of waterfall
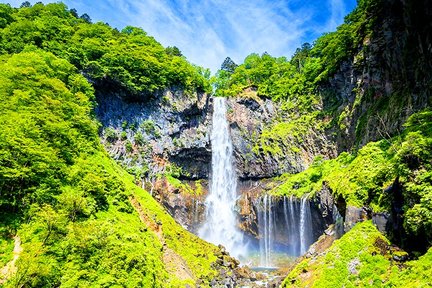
280, 260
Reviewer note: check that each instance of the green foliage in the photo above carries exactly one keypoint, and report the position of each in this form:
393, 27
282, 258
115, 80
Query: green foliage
417, 273
80, 228
357, 259
183, 187
129, 147
130, 59
123, 135
360, 258
198, 254
6, 247
150, 128
361, 178
284, 137
139, 138
44, 103
110, 134
228, 65
300, 56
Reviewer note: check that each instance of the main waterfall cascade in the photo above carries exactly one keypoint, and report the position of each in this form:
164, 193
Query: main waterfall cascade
297, 227
220, 226
292, 218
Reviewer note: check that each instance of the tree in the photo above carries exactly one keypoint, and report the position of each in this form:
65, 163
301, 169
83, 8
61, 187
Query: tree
25, 4
300, 56
74, 12
173, 51
86, 18
228, 65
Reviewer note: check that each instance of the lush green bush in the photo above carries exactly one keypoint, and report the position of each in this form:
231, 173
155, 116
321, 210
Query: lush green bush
357, 249
415, 274
45, 127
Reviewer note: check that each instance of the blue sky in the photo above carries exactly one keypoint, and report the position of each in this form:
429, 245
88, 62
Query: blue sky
207, 31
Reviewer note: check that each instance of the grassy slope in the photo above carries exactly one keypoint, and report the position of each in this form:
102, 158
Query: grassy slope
68, 200
360, 259
59, 191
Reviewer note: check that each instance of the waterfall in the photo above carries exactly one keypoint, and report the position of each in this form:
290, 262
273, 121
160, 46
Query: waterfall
266, 222
292, 217
305, 225
220, 226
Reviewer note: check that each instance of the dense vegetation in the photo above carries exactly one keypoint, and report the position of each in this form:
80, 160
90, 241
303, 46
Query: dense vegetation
127, 59
83, 222
81, 219
376, 174
361, 258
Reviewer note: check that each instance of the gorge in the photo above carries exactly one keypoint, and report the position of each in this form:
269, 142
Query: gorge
124, 165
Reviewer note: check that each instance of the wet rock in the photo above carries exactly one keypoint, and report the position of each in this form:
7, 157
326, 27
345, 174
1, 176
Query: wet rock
400, 258
381, 221
354, 215
170, 128
249, 117
223, 250
353, 265
326, 203
219, 261
181, 202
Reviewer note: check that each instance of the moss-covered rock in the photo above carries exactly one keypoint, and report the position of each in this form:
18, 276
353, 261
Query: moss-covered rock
360, 258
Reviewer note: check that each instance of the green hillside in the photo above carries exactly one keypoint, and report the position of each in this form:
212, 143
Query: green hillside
69, 203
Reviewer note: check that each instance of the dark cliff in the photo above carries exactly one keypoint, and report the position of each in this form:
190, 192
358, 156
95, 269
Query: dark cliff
388, 79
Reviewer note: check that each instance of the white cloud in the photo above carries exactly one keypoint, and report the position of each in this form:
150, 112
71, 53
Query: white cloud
337, 15
208, 31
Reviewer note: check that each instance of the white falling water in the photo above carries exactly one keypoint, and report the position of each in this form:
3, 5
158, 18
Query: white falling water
296, 222
220, 226
305, 225
266, 223
294, 227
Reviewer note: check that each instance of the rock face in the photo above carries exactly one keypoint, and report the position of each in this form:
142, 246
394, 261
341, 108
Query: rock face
184, 202
389, 78
249, 118
167, 132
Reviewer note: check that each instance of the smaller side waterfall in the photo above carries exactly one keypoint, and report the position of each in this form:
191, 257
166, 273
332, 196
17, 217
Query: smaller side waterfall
305, 225
287, 218
265, 227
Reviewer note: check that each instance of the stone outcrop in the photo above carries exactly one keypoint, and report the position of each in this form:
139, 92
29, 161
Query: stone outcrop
388, 79
168, 132
184, 202
249, 117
